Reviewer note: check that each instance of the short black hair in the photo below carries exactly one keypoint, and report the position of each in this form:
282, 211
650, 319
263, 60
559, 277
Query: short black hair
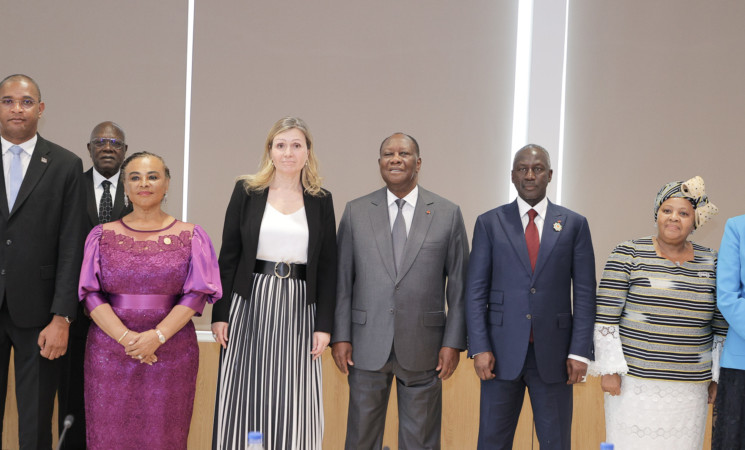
416, 144
24, 77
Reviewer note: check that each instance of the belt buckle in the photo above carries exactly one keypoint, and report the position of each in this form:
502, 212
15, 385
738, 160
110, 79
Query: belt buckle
277, 272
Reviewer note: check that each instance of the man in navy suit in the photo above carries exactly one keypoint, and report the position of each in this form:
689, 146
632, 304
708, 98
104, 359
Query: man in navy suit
528, 259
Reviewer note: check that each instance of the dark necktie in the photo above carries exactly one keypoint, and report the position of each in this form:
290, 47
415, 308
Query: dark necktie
532, 239
106, 205
398, 233
15, 173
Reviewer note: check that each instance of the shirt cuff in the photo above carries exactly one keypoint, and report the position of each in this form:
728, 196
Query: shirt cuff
579, 358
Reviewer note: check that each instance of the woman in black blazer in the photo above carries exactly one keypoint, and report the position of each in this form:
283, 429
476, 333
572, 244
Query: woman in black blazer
278, 262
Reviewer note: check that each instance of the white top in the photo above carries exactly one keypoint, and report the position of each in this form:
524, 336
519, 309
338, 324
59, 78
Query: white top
28, 150
283, 237
98, 180
407, 210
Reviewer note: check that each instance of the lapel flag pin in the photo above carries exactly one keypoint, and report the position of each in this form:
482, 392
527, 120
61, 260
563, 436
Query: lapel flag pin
44, 160
429, 212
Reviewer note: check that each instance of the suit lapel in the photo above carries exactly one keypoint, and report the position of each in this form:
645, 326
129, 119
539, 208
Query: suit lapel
4, 200
313, 216
255, 213
381, 226
512, 224
424, 213
118, 209
40, 160
549, 236
90, 197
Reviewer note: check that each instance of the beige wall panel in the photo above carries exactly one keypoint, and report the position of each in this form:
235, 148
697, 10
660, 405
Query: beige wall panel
105, 60
655, 93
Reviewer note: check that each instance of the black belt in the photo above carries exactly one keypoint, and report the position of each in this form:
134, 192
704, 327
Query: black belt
280, 269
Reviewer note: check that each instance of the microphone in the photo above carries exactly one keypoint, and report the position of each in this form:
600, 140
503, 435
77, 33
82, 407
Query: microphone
69, 419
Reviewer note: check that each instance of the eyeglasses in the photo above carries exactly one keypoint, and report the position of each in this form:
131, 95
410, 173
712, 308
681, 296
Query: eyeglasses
26, 103
116, 144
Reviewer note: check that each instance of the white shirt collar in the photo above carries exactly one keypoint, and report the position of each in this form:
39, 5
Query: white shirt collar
98, 179
28, 146
410, 198
540, 207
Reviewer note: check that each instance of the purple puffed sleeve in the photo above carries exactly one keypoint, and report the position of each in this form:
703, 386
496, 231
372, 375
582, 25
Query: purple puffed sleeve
90, 290
202, 283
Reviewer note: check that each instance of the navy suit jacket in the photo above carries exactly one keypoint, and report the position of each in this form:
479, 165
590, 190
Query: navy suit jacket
504, 297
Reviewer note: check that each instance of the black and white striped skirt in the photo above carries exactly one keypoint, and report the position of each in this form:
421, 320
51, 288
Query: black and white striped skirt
267, 381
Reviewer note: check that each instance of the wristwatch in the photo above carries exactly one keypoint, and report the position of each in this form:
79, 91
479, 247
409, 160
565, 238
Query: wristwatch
67, 319
161, 338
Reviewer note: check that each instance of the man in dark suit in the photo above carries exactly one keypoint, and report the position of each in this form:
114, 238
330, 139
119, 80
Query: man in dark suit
42, 232
524, 330
398, 249
105, 201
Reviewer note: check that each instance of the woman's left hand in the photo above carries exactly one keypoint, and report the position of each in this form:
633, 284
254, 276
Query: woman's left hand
712, 392
320, 342
143, 345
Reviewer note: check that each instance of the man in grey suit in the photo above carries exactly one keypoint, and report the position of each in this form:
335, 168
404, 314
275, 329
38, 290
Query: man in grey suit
403, 252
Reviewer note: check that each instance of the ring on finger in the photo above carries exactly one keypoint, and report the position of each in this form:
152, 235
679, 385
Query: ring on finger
139, 356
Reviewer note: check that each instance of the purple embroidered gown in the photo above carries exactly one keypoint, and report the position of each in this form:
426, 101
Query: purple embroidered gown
129, 405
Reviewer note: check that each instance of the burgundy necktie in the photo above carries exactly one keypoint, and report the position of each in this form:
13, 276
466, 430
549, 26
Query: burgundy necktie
531, 238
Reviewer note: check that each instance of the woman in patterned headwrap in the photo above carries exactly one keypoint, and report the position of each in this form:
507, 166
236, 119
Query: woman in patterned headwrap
658, 334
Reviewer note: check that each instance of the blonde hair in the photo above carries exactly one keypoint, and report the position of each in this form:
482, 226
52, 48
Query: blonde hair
309, 175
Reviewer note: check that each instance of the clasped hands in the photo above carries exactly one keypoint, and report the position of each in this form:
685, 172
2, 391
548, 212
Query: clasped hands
142, 346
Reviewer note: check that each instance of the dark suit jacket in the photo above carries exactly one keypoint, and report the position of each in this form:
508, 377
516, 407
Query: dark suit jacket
504, 296
42, 237
240, 239
378, 308
117, 212
79, 328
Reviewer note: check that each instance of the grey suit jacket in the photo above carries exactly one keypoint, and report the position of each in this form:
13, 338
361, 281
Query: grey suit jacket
376, 309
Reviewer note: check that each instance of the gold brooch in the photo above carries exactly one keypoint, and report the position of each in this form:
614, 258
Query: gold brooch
167, 240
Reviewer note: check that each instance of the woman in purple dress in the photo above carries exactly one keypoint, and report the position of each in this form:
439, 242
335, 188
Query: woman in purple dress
143, 278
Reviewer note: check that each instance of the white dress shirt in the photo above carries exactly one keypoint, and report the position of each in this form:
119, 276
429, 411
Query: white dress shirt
407, 210
540, 208
28, 150
98, 180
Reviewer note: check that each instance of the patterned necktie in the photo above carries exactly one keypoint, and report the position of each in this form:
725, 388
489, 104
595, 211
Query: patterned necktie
398, 233
16, 175
106, 205
532, 239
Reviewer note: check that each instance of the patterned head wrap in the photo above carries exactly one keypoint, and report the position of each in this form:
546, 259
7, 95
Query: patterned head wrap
693, 191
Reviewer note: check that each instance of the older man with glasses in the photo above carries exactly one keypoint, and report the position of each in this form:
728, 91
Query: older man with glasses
105, 203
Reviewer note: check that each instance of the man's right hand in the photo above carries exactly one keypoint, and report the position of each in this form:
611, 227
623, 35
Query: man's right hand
484, 365
342, 353
611, 384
